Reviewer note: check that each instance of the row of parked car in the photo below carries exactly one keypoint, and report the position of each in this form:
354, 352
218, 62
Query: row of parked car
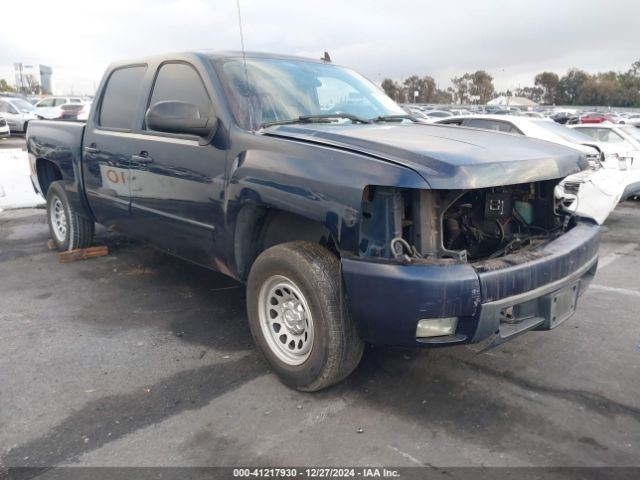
16, 112
611, 136
574, 118
431, 113
609, 140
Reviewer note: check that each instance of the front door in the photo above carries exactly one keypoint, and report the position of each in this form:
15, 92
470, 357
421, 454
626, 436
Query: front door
177, 184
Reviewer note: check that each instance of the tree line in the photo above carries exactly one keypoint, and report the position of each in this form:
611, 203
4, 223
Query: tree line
30, 86
474, 87
576, 87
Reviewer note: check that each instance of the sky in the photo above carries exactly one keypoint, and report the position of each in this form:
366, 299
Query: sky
513, 40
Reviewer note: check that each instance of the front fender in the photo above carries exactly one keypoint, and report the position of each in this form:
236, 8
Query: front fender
320, 183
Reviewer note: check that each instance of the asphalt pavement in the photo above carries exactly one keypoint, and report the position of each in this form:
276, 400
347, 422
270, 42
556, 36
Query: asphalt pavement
141, 359
14, 141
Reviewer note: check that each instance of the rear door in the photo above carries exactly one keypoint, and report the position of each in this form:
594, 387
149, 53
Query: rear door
177, 183
108, 143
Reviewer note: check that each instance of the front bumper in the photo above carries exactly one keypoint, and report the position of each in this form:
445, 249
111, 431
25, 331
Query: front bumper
500, 299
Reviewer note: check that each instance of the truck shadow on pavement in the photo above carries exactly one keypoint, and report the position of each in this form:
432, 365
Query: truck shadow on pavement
197, 305
106, 419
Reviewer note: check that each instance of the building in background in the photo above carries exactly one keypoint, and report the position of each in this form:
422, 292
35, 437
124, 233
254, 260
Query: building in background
33, 79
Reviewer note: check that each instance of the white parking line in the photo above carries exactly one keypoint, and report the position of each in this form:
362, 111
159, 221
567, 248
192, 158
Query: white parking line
406, 455
613, 256
624, 291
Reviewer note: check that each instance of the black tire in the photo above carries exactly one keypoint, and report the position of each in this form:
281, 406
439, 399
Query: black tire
79, 229
336, 346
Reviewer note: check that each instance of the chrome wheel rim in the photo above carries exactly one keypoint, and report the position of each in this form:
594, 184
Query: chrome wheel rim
58, 219
285, 320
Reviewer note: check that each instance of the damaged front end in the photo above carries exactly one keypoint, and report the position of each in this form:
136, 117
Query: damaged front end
463, 225
438, 267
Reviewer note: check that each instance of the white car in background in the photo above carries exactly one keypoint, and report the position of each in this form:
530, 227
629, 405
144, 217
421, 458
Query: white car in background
630, 119
49, 102
623, 140
83, 115
539, 128
5, 131
50, 107
435, 115
459, 111
593, 193
535, 115
17, 112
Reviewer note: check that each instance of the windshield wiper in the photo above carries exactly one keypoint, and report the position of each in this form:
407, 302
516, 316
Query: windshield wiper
394, 118
321, 118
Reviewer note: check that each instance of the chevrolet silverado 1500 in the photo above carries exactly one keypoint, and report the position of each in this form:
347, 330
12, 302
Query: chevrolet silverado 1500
348, 221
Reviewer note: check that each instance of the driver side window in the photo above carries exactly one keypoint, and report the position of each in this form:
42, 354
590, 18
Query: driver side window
180, 82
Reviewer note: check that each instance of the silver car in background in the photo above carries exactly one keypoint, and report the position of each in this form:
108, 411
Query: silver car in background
17, 112
52, 108
539, 128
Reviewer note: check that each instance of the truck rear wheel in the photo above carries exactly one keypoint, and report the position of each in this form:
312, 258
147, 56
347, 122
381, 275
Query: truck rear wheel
298, 316
69, 230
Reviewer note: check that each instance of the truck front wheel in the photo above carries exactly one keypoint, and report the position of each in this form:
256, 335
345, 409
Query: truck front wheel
69, 230
298, 316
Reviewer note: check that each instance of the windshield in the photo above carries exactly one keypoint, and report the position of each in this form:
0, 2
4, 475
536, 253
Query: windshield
282, 89
22, 105
631, 131
566, 133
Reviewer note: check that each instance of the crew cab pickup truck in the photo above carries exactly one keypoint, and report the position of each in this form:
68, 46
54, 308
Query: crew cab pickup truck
348, 221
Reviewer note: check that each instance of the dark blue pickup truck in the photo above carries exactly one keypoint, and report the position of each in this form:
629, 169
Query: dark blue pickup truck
348, 221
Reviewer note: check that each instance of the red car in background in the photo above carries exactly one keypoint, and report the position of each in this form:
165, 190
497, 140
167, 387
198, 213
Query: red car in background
595, 117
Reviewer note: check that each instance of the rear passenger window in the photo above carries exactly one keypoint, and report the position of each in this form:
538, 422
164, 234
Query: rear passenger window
180, 82
120, 98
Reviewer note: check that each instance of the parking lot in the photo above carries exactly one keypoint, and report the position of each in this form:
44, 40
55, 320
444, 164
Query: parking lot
141, 359
15, 141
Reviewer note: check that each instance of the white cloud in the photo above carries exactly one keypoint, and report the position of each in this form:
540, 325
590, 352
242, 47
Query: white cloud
512, 40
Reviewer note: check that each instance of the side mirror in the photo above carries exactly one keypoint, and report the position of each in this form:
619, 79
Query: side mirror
179, 117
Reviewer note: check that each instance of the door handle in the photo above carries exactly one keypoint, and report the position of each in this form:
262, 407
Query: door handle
142, 158
92, 149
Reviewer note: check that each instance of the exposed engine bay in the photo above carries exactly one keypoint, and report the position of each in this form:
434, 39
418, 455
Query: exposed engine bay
464, 225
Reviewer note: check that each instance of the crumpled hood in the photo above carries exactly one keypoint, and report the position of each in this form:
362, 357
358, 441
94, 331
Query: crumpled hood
447, 157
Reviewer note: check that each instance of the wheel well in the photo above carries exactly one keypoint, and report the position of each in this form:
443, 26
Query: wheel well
48, 172
258, 228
